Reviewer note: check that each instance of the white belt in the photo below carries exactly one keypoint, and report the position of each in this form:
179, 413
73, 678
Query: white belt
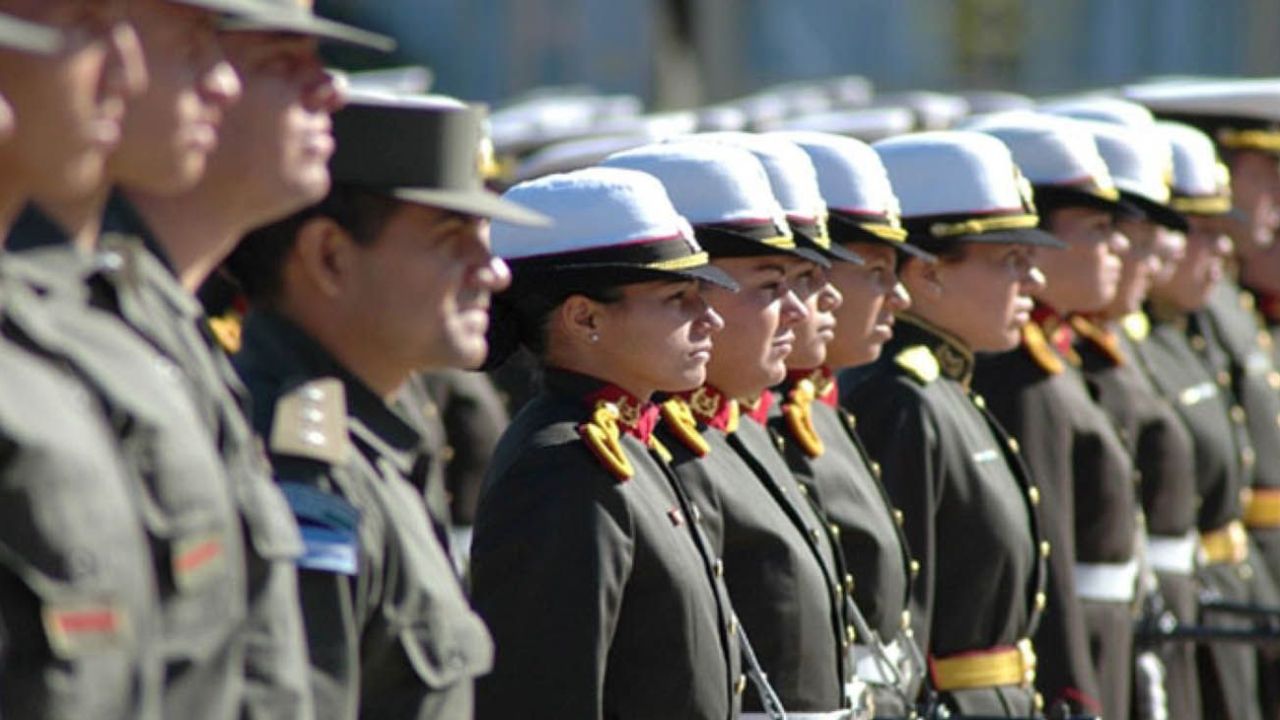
832, 715
1173, 555
1107, 582
869, 668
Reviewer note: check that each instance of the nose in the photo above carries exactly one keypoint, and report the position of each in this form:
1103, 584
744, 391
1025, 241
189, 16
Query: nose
221, 84
829, 298
495, 275
1034, 280
326, 91
709, 317
898, 297
6, 119
1119, 243
1222, 245
793, 310
126, 72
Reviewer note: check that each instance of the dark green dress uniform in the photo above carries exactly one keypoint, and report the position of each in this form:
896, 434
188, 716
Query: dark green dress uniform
1085, 638
602, 596
187, 500
78, 597
390, 632
1163, 451
1228, 684
778, 559
969, 515
833, 469
148, 297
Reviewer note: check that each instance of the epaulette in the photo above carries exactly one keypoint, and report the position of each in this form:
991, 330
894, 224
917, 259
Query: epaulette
226, 329
1136, 325
1101, 338
1037, 346
604, 439
919, 362
311, 422
679, 417
798, 410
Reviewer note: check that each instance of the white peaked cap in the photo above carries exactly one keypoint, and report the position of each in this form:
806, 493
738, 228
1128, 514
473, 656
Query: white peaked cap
1237, 114
1102, 108
791, 175
1054, 153
958, 184
1201, 183
1141, 164
869, 124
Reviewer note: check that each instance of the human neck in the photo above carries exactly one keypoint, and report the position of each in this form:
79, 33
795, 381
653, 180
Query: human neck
577, 361
197, 230
81, 218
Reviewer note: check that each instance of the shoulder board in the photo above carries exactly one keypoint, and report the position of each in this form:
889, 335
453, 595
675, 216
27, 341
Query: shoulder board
226, 330
798, 412
1137, 326
679, 417
604, 439
311, 422
920, 362
1034, 342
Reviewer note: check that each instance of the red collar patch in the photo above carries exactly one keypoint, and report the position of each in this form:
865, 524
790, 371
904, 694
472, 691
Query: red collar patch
713, 408
636, 418
758, 409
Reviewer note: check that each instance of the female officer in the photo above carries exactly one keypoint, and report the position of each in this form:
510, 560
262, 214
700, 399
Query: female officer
600, 596
968, 506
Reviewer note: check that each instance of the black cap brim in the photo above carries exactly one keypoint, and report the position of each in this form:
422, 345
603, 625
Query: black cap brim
1156, 212
570, 275
480, 203
302, 22
844, 254
1020, 236
28, 37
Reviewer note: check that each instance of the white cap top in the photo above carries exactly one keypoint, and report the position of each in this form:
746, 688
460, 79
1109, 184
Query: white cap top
709, 183
1102, 108
1201, 183
869, 124
791, 174
1053, 151
850, 174
575, 154
1140, 161
592, 209
1258, 99
952, 172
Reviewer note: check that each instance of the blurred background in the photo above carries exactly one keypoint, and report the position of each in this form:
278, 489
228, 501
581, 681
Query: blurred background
674, 54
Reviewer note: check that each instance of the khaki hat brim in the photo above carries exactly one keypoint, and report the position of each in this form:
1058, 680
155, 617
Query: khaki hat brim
480, 203
301, 22
28, 37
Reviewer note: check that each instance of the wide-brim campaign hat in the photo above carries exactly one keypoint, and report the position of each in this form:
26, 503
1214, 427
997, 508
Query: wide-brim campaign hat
861, 206
421, 149
1237, 114
1201, 183
1059, 157
26, 36
961, 186
724, 191
611, 227
794, 182
299, 17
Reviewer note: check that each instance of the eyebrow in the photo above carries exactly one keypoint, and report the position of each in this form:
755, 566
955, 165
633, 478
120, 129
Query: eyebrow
767, 266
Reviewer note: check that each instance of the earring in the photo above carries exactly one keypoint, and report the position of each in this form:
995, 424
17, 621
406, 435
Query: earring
594, 337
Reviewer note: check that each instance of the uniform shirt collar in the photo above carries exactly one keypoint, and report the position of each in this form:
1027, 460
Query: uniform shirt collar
955, 359
713, 408
1101, 336
636, 417
758, 408
122, 217
826, 387
34, 229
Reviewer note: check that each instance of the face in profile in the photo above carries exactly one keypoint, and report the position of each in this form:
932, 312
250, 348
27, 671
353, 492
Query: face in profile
1193, 279
813, 334
872, 296
70, 106
1083, 276
1255, 192
1141, 263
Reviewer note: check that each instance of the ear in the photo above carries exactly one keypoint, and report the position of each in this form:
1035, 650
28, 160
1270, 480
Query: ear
924, 279
579, 317
322, 255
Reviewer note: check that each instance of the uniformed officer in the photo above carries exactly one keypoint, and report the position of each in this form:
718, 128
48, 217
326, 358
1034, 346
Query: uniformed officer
169, 243
1141, 162
388, 275
1068, 442
1201, 191
78, 597
945, 461
778, 557
863, 215
589, 562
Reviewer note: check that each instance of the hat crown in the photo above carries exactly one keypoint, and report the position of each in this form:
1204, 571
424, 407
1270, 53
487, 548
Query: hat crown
953, 172
1140, 162
1197, 170
708, 183
592, 209
792, 177
1051, 151
851, 176
1102, 109
1257, 99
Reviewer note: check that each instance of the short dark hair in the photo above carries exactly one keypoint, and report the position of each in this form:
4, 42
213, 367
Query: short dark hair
520, 316
257, 263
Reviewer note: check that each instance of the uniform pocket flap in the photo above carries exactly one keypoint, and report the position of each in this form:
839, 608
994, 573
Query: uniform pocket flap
272, 528
457, 649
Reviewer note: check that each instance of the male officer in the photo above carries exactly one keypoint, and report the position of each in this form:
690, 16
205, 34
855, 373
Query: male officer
388, 275
1069, 443
77, 592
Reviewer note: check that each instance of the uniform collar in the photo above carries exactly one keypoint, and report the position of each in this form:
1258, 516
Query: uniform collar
274, 344
122, 217
713, 408
1057, 331
826, 388
636, 417
1100, 336
955, 359
758, 408
1165, 314
34, 229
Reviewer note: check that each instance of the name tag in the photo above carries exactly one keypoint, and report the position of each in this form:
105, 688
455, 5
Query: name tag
1198, 393
985, 456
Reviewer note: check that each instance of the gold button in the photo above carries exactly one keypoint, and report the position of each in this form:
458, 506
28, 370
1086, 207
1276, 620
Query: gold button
1013, 445
1033, 493
1041, 601
697, 514
915, 569
1198, 343
1237, 414
906, 619
815, 533
898, 517
980, 401
850, 634
447, 453
1273, 379
733, 624
875, 468
782, 444
740, 685
835, 531
1137, 477
1045, 548
804, 489
1247, 457
851, 419
719, 567
1224, 378
838, 589
1038, 701
848, 583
